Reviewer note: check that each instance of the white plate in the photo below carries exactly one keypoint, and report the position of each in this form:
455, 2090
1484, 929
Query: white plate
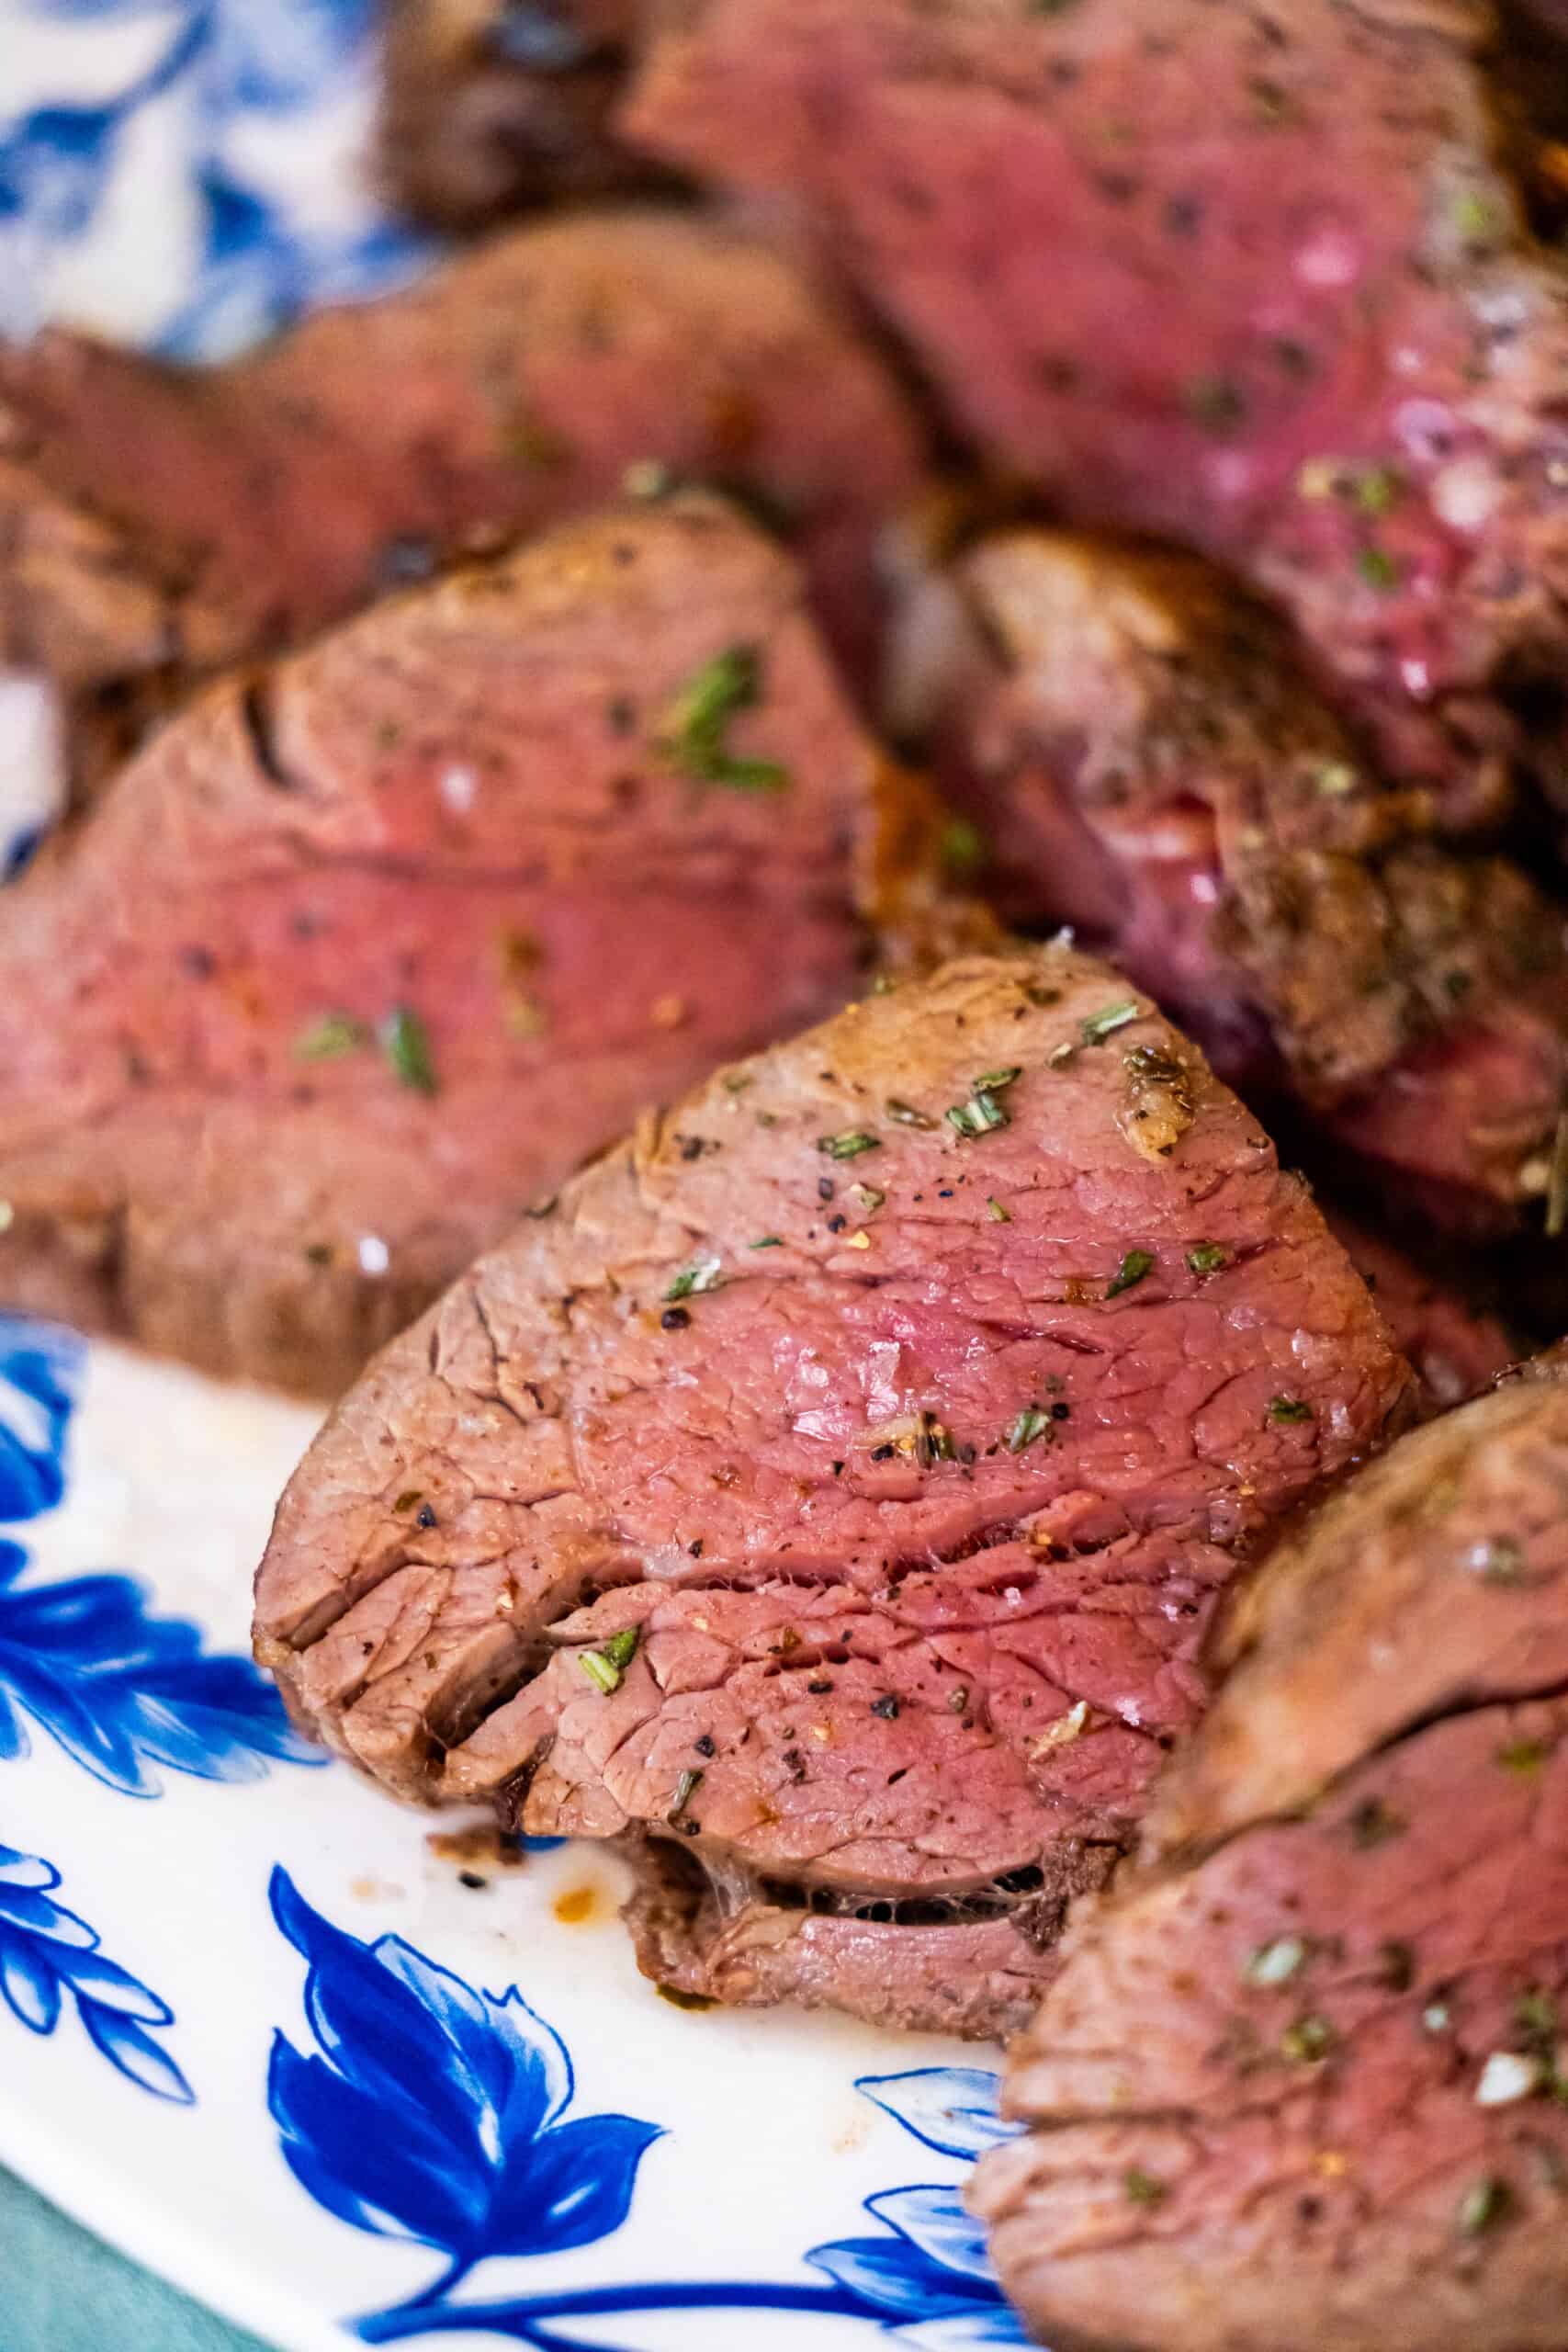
252, 2028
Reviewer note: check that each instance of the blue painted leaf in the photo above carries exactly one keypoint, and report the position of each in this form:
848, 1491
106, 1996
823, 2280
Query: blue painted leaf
934, 2220
889, 2274
952, 2109
31, 1988
53, 165
578, 2189
133, 2053
270, 57
49, 1956
436, 2112
86, 11
968, 2331
40, 1367
123, 1692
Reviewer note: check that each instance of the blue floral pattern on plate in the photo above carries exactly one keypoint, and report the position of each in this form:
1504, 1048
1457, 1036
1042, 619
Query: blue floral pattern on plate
437, 2113
121, 1690
50, 1957
124, 1691
227, 71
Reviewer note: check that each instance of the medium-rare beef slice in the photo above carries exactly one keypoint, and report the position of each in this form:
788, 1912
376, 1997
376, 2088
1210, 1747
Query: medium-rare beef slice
153, 517
1250, 277
1150, 763
1301, 2080
1455, 1342
1436, 1581
493, 105
827, 1500
366, 949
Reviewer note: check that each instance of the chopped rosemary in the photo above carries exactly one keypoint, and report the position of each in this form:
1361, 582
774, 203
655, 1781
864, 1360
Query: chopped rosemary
406, 1041
1033, 1422
994, 1081
1378, 488
981, 1115
686, 1787
600, 1672
1142, 2187
768, 1241
905, 1115
697, 721
1131, 1273
1308, 2041
962, 847
334, 1035
1378, 569
934, 1441
848, 1143
1485, 2203
1208, 1258
995, 1211
1289, 1409
1107, 1021
702, 1274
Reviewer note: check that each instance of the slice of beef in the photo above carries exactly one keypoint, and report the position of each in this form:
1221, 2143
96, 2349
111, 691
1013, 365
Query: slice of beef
1456, 1342
367, 948
828, 1501
1150, 763
151, 516
491, 105
1251, 278
1436, 1582
1301, 2079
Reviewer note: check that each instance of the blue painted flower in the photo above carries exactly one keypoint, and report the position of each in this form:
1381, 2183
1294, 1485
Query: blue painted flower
928, 2276
50, 1957
124, 1692
40, 1365
436, 2112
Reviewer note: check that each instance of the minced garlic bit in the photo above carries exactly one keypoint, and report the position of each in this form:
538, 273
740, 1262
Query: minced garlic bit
1275, 1963
1508, 2075
1064, 1731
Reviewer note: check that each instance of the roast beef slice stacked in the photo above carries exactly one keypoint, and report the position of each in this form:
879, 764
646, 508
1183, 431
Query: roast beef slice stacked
492, 104
1455, 1342
826, 1501
1248, 276
1150, 762
1302, 2079
155, 519
370, 947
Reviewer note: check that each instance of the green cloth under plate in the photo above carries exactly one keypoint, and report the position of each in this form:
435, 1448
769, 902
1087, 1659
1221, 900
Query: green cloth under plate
63, 2291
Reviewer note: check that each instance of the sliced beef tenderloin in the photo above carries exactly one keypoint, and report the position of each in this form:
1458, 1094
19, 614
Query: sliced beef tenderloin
367, 948
1311, 335
1456, 1343
1149, 763
826, 1502
1301, 2080
491, 105
155, 516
